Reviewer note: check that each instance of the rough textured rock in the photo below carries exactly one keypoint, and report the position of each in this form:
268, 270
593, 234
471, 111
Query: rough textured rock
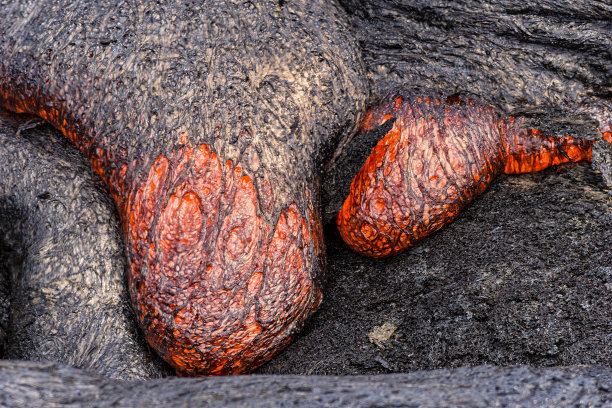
548, 61
530, 286
64, 257
211, 137
27, 384
516, 56
523, 276
513, 280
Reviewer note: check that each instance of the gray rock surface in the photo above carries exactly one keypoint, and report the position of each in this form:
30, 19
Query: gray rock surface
63, 266
518, 56
527, 287
222, 112
27, 384
524, 276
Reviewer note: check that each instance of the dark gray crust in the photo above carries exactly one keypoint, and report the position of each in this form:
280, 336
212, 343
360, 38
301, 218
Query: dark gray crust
35, 384
522, 276
270, 87
566, 211
590, 81
286, 92
547, 61
27, 384
513, 55
68, 300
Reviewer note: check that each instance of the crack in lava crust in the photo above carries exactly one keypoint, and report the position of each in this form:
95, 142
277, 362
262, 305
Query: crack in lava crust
214, 285
435, 160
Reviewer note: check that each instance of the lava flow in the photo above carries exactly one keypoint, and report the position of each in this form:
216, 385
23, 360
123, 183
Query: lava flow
437, 157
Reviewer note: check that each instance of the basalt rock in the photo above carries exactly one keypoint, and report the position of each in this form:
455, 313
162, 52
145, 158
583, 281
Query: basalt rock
522, 276
63, 259
30, 384
218, 190
549, 62
380, 317
515, 56
203, 126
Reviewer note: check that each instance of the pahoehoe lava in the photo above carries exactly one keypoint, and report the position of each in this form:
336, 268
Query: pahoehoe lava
66, 299
438, 156
217, 191
211, 123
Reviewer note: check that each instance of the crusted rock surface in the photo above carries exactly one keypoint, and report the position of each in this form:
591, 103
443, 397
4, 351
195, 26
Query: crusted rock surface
158, 95
63, 262
33, 384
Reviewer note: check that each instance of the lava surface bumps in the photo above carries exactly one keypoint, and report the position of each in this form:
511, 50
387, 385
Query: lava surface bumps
438, 157
215, 283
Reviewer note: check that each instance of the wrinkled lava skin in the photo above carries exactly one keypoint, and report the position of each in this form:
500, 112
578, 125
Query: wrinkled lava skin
209, 124
437, 157
218, 190
62, 289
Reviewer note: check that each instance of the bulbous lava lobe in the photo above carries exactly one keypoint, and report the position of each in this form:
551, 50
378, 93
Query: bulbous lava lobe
437, 157
209, 123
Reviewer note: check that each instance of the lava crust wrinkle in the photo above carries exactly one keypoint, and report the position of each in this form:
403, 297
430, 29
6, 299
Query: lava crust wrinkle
438, 156
210, 125
68, 301
217, 191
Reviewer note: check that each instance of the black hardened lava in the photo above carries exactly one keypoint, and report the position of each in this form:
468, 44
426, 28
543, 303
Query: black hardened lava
85, 311
68, 302
462, 387
212, 124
